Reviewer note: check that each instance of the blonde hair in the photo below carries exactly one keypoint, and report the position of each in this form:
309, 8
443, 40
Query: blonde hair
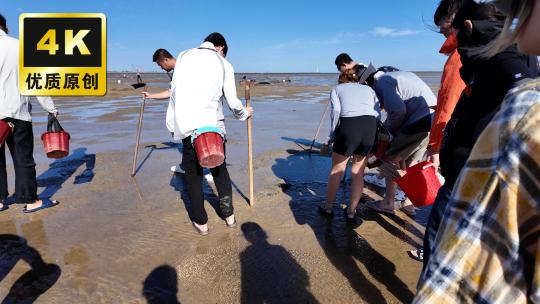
515, 23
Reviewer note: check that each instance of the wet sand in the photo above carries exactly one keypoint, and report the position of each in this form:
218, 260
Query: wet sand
117, 239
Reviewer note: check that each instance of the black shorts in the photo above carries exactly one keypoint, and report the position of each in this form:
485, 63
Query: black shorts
355, 135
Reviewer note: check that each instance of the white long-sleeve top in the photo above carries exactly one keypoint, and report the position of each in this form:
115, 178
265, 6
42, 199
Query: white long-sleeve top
201, 78
12, 103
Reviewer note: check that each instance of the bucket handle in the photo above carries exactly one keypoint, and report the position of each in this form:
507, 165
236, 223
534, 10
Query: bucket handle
53, 125
428, 165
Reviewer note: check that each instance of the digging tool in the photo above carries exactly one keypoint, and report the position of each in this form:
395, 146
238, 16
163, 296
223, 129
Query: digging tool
139, 125
248, 84
319, 127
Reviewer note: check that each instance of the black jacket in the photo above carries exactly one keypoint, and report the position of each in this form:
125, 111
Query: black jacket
488, 82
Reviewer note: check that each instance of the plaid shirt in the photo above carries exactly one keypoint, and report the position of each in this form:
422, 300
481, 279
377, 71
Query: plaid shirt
488, 246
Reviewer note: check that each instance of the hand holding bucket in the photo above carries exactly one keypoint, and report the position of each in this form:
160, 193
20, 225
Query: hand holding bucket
55, 140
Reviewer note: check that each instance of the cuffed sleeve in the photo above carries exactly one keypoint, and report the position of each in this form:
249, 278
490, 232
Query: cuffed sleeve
47, 104
334, 113
229, 90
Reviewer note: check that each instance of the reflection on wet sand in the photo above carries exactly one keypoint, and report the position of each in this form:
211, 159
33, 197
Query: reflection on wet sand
113, 233
62, 169
343, 246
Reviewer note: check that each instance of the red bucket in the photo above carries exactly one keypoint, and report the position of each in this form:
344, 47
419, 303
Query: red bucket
382, 142
420, 184
55, 140
208, 145
5, 129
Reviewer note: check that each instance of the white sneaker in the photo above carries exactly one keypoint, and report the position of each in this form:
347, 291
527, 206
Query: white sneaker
400, 195
441, 178
177, 169
376, 180
209, 178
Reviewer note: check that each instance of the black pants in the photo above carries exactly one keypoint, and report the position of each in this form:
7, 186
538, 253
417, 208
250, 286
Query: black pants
194, 176
21, 146
435, 219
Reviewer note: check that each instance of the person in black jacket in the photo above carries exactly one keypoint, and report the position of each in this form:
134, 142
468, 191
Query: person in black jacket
488, 81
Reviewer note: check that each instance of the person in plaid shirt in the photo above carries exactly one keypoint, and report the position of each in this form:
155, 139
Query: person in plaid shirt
487, 249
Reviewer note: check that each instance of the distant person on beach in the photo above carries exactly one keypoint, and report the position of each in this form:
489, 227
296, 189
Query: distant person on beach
451, 88
487, 248
15, 109
355, 110
202, 78
408, 102
167, 62
488, 80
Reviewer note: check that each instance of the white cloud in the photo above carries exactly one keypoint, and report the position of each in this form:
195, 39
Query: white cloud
339, 38
390, 32
345, 37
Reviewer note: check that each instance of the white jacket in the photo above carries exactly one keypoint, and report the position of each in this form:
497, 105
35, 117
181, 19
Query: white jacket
201, 78
12, 103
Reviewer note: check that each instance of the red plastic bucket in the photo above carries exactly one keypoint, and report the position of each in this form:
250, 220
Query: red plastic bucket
55, 140
5, 130
56, 144
383, 141
420, 184
377, 157
208, 145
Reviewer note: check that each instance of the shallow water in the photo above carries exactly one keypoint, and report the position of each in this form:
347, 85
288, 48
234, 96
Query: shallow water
116, 239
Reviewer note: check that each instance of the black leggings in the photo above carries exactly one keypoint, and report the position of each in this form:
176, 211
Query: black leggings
194, 176
21, 147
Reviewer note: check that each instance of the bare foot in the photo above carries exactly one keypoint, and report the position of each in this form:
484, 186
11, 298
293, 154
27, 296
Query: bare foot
388, 204
202, 229
230, 221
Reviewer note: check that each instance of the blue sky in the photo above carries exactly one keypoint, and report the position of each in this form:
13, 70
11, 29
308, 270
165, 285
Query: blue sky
269, 36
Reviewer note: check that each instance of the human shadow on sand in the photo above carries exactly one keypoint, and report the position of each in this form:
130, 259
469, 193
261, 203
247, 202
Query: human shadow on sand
35, 281
305, 182
270, 274
62, 169
161, 286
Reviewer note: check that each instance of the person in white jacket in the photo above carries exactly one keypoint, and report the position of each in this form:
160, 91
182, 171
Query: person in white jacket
202, 80
16, 110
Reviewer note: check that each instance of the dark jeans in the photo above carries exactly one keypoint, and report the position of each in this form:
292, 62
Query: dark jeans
434, 220
194, 176
21, 146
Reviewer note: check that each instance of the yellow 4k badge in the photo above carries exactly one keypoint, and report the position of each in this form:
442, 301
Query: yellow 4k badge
63, 54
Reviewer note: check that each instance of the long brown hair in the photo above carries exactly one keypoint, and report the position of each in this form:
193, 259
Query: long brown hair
349, 75
516, 19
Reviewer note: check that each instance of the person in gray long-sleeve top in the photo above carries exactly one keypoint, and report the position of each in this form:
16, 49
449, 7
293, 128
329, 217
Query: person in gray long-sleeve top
409, 103
355, 110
